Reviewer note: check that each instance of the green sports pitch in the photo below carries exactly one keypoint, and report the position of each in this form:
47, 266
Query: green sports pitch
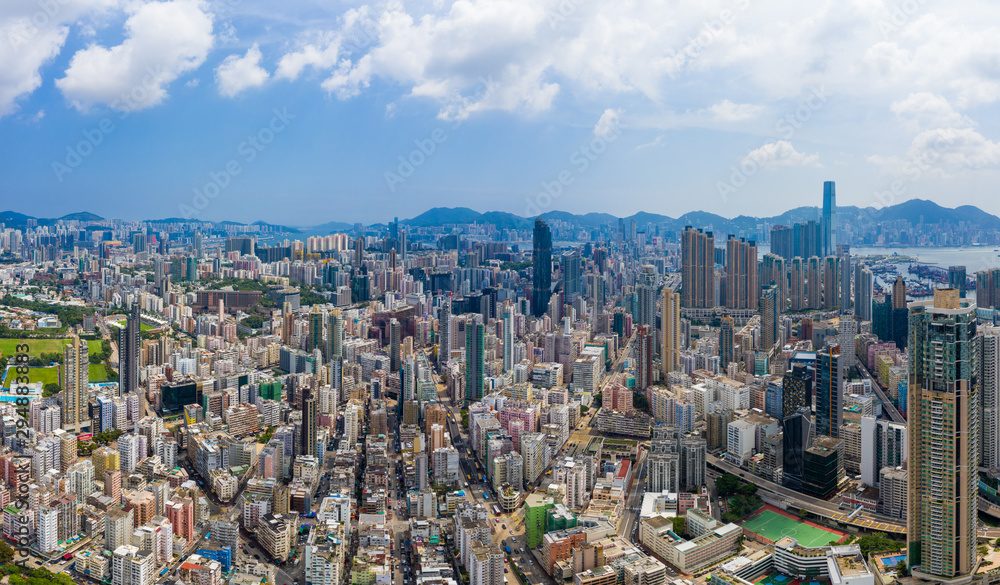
774, 526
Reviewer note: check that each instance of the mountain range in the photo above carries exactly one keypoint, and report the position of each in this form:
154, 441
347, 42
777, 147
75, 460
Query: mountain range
914, 211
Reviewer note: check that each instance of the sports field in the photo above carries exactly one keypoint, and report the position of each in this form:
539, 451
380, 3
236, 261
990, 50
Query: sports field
8, 346
774, 526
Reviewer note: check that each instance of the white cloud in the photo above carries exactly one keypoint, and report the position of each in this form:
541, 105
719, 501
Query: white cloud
610, 120
659, 141
727, 111
780, 154
163, 40
31, 35
944, 140
236, 74
925, 110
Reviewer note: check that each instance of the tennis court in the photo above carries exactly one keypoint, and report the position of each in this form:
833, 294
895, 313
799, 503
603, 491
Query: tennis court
774, 526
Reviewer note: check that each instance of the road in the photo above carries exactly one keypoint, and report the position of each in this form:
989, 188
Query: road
633, 503
887, 404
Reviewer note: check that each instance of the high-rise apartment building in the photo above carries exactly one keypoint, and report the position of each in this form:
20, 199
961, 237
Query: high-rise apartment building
74, 379
943, 455
727, 348
646, 295
475, 360
670, 330
697, 269
742, 290
769, 312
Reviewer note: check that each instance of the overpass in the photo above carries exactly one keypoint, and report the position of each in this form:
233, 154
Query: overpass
813, 505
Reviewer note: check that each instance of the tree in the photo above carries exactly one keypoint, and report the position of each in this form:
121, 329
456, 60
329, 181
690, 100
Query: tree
727, 484
678, 525
876, 543
6, 553
50, 389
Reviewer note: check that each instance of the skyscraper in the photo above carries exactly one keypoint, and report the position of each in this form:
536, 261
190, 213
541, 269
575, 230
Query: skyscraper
943, 434
814, 284
831, 282
697, 269
128, 355
541, 282
572, 273
773, 269
75, 377
845, 278
741, 274
797, 284
444, 327
646, 292
475, 358
727, 350
335, 335
508, 337
829, 406
646, 349
315, 339
395, 343
769, 318
797, 428
308, 423
796, 390
989, 380
956, 279
863, 291
899, 293
670, 330
829, 218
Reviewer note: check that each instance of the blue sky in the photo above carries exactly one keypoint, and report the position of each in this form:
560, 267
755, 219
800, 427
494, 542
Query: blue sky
728, 106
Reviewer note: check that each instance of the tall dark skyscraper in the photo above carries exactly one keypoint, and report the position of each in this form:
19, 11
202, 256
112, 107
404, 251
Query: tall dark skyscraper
541, 282
128, 355
956, 279
796, 390
829, 218
797, 429
308, 423
727, 352
395, 341
769, 313
829, 406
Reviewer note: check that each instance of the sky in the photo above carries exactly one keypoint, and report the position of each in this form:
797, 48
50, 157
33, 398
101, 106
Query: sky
307, 111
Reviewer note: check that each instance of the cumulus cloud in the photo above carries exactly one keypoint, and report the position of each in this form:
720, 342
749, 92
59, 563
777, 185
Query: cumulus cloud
163, 40
780, 154
944, 140
236, 74
31, 36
